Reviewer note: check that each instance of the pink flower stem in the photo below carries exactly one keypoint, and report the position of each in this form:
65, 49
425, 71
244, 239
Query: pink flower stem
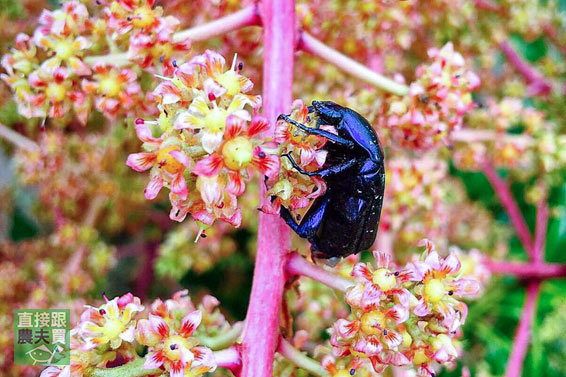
297, 265
261, 332
301, 360
541, 230
528, 271
538, 83
384, 242
503, 191
471, 135
523, 334
248, 16
230, 359
310, 44
17, 139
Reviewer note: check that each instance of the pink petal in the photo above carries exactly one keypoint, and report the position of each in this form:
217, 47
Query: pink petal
153, 187
451, 264
177, 369
211, 141
141, 161
234, 126
268, 164
189, 323
186, 356
361, 270
128, 335
382, 260
212, 87
179, 186
392, 339
144, 134
369, 345
182, 158
154, 360
398, 313
258, 125
370, 297
209, 165
236, 184
345, 329
421, 309
204, 358
159, 325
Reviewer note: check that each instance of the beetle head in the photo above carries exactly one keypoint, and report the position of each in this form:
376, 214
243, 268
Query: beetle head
329, 112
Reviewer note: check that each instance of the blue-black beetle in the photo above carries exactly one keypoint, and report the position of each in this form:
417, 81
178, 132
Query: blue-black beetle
345, 218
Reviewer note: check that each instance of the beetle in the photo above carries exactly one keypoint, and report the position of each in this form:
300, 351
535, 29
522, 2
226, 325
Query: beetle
345, 218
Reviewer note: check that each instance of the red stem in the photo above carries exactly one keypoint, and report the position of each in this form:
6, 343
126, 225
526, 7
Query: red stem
297, 265
503, 191
541, 229
538, 83
261, 333
531, 270
523, 335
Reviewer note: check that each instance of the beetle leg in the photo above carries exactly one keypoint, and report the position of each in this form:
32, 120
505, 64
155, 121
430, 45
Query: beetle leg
315, 131
308, 227
332, 170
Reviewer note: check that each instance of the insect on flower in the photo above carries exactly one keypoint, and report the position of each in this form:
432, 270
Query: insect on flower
344, 219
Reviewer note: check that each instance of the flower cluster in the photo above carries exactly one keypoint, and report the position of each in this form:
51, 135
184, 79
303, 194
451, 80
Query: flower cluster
407, 316
148, 34
53, 75
436, 103
414, 203
108, 336
210, 141
290, 188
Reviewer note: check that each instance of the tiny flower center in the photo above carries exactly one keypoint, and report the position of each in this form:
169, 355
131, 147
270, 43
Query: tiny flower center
407, 339
283, 189
64, 50
172, 347
143, 17
384, 279
215, 120
434, 290
342, 373
230, 81
167, 162
109, 86
113, 328
372, 322
420, 357
237, 153
56, 92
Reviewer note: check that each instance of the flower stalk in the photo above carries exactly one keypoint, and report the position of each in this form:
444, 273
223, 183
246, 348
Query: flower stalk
529, 271
261, 332
523, 335
541, 230
230, 359
248, 16
297, 265
132, 369
298, 358
503, 191
224, 340
17, 139
538, 83
310, 44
